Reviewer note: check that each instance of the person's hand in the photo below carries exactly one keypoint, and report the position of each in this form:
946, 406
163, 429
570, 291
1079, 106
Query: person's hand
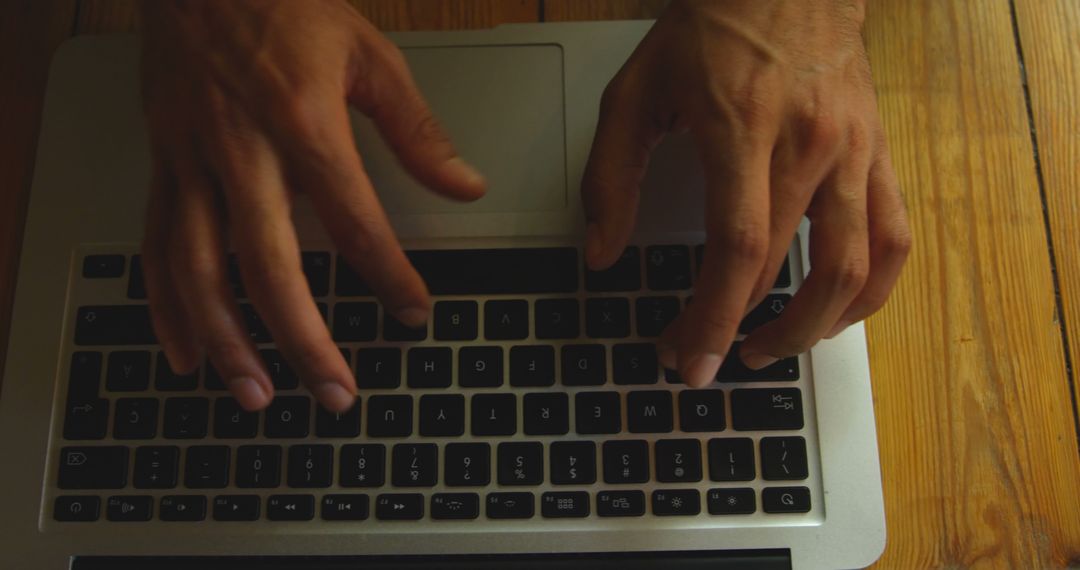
246, 104
778, 98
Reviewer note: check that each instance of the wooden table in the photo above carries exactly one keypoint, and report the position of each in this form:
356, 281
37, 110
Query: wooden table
972, 358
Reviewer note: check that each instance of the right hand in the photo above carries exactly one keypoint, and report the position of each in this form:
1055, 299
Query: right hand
246, 103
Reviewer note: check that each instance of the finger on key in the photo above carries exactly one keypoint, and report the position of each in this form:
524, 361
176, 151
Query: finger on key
171, 326
269, 257
890, 242
839, 262
736, 246
198, 268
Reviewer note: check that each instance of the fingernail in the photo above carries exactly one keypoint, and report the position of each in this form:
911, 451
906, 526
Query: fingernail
757, 360
249, 393
412, 316
594, 242
839, 328
702, 369
466, 171
333, 396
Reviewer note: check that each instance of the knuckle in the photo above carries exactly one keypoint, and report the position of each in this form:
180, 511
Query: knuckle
746, 241
849, 276
819, 130
859, 138
196, 264
715, 323
302, 114
897, 243
426, 130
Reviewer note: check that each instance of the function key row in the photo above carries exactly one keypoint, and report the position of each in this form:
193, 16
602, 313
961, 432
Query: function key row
440, 415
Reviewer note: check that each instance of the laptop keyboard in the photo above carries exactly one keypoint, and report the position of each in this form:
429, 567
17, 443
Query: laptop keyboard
534, 392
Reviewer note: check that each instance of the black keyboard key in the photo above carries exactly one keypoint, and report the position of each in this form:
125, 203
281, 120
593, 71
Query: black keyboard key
733, 369
258, 466
783, 458
390, 416
480, 366
494, 414
167, 380
290, 507
236, 508
667, 267
86, 419
785, 499
623, 275
363, 465
455, 506
649, 412
129, 371
101, 325
93, 467
442, 415
316, 266
136, 286
557, 318
345, 507
347, 283
678, 460
415, 465
607, 317
256, 328
573, 462
506, 320
183, 508
634, 363
497, 271
399, 507
281, 374
701, 410
521, 463
186, 418
395, 330
731, 459
766, 311
564, 504
233, 422
766, 409
739, 501
654, 314
546, 413
584, 365
288, 416
310, 466
532, 366
80, 508
84, 376
626, 461
676, 502
156, 467
355, 322
103, 266
510, 505
467, 464
206, 467
338, 424
456, 320
378, 367
136, 418
429, 367
597, 413
620, 503
129, 508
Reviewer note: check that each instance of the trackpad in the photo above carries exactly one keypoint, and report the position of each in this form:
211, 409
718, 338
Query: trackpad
503, 109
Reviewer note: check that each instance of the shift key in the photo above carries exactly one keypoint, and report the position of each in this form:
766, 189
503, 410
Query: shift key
93, 467
766, 409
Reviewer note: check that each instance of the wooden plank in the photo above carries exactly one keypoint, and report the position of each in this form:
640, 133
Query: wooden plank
971, 394
1050, 36
105, 16
30, 30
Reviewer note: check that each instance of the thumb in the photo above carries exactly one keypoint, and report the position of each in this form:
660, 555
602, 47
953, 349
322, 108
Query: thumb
387, 93
625, 136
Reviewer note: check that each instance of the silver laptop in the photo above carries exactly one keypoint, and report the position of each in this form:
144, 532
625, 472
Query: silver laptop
555, 441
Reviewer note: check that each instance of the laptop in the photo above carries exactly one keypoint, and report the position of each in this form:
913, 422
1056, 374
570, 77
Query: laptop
545, 435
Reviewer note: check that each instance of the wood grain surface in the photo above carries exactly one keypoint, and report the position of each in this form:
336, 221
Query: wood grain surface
979, 454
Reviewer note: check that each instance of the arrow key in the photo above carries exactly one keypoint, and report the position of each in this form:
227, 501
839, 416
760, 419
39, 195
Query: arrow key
290, 507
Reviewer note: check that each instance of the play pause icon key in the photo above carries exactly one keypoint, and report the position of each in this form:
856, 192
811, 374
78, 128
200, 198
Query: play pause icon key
346, 507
